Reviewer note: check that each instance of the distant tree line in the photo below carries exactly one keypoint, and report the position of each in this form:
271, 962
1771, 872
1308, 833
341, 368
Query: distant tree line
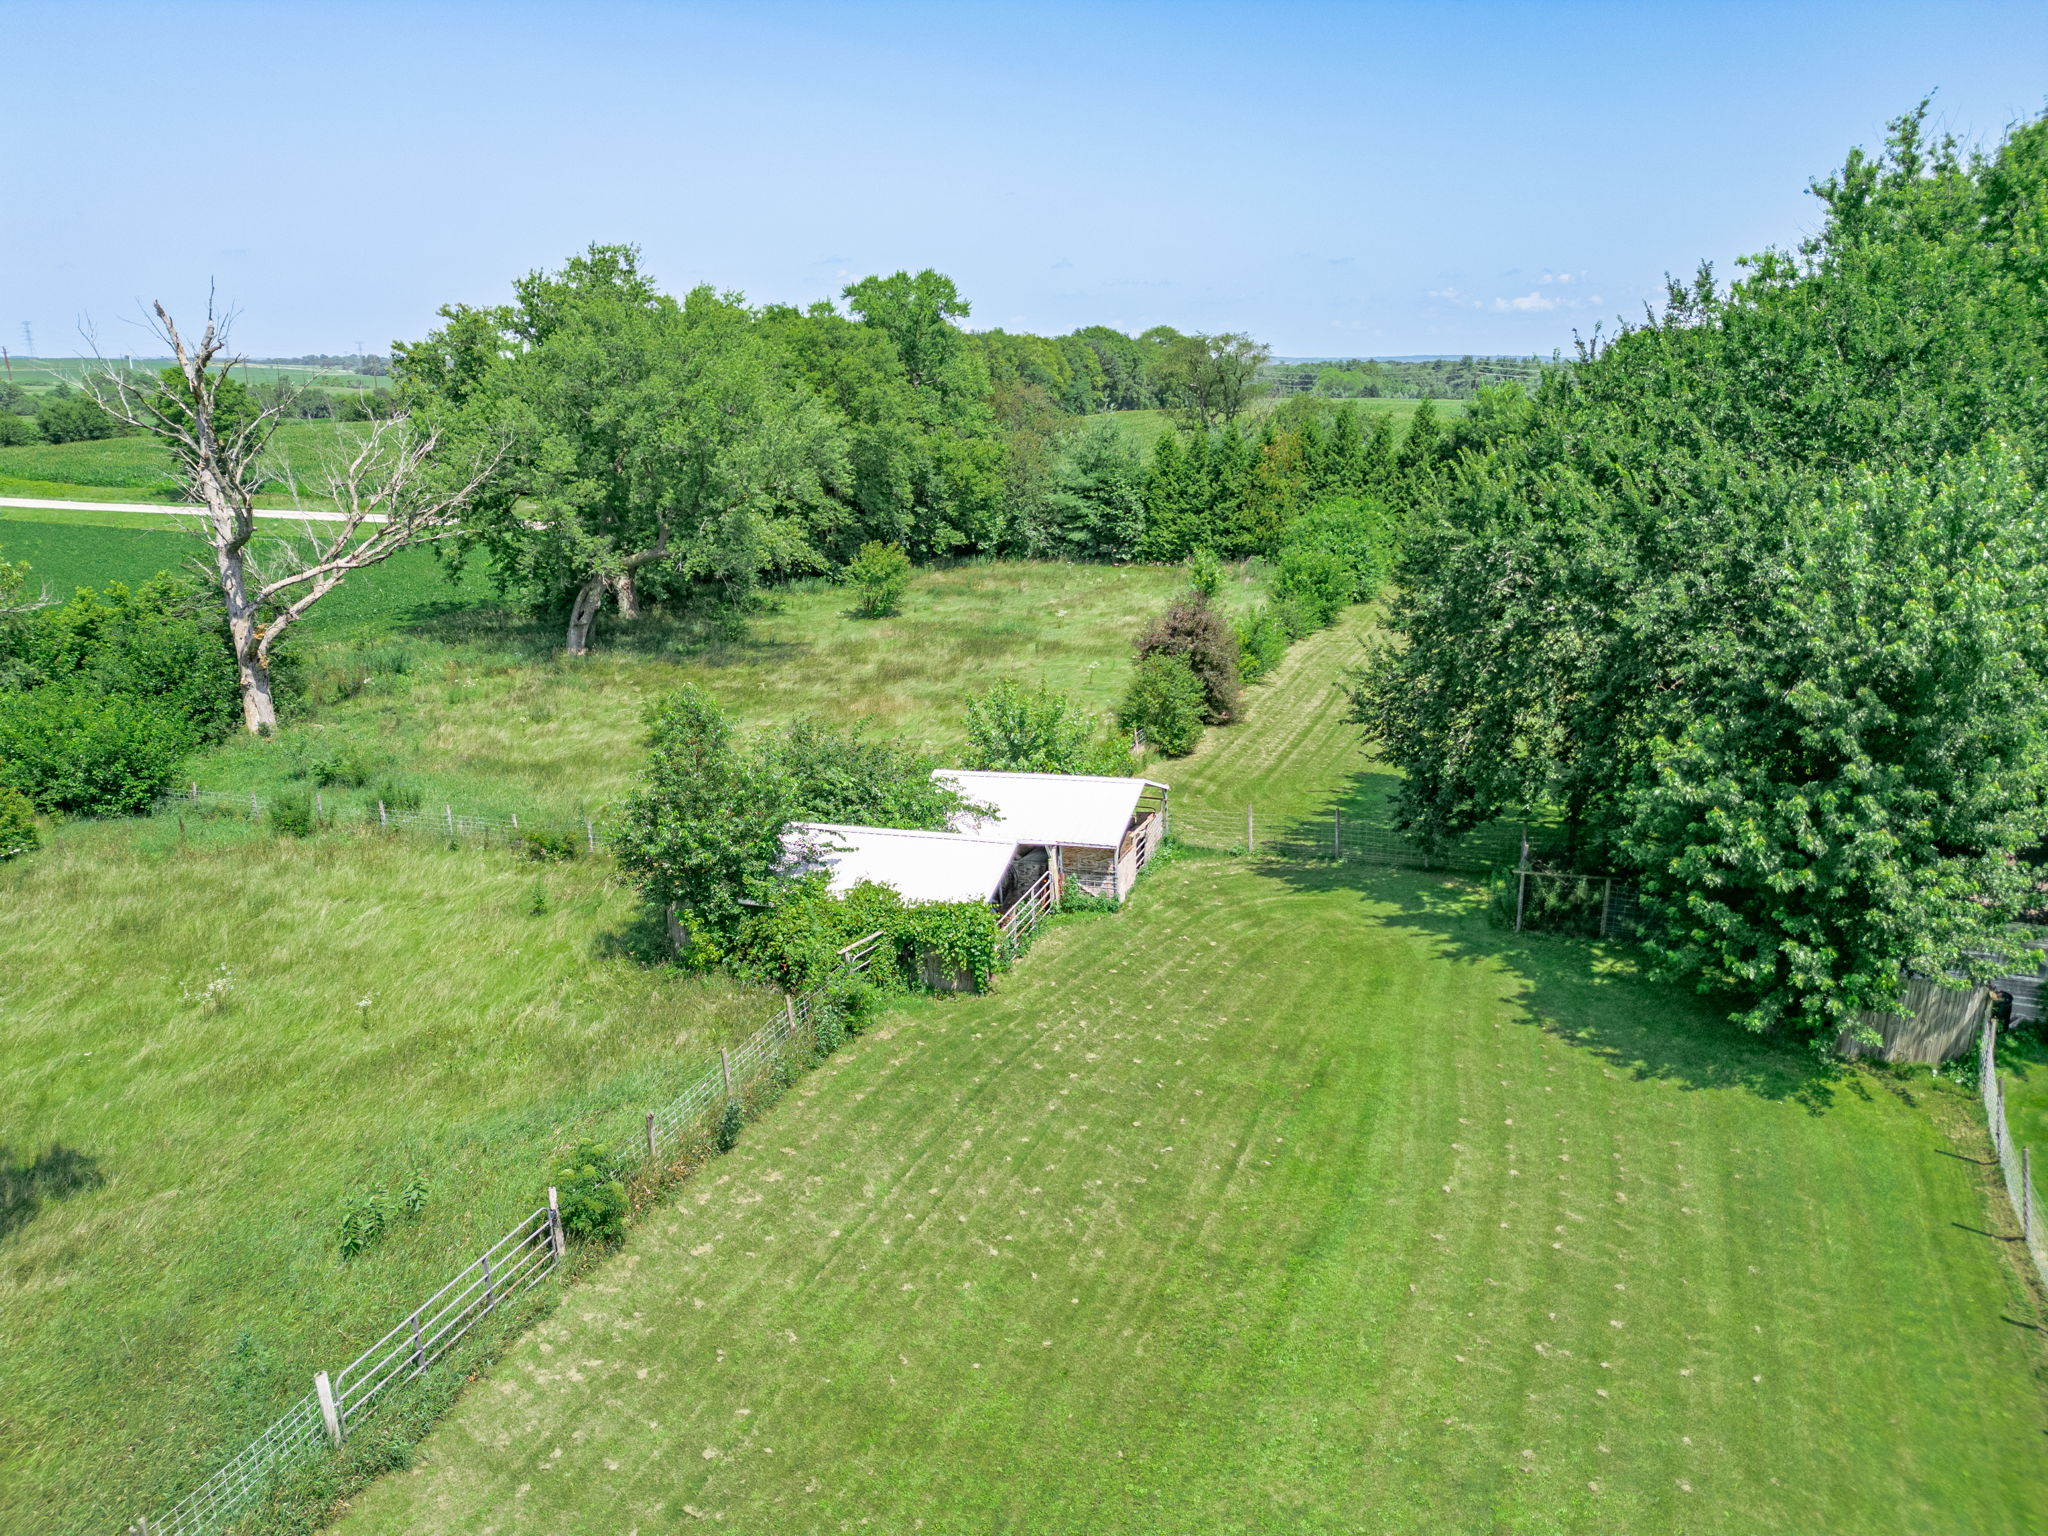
1431, 378
1749, 599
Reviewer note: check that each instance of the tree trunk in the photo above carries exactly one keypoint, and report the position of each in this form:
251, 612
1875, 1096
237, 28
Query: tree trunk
252, 673
627, 594
583, 614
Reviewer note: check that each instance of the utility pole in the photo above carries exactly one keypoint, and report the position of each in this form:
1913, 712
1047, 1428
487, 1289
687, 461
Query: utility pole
4, 358
28, 337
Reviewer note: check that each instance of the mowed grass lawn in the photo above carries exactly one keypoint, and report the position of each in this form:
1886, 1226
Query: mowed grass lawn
1294, 1198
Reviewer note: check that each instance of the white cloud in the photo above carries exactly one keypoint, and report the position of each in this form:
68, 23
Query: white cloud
1528, 302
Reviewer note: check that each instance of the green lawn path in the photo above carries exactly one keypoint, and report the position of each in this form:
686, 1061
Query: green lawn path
1290, 1199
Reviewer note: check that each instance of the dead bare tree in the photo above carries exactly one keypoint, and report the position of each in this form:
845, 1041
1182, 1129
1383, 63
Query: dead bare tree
390, 492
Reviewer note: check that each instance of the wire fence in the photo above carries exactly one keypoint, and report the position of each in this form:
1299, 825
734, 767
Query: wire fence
790, 1040
315, 808
1337, 837
2015, 1162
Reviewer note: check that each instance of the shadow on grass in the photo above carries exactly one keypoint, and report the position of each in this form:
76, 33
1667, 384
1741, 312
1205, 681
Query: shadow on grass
26, 1184
642, 939
1590, 993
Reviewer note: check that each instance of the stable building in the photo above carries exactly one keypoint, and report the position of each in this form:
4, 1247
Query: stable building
1091, 831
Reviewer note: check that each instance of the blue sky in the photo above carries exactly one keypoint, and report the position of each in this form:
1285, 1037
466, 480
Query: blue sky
1335, 178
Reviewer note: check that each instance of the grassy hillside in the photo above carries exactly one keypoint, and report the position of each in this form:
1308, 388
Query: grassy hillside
236, 1032
1297, 1198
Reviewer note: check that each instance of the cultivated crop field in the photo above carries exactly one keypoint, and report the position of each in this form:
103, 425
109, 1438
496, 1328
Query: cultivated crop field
1295, 1197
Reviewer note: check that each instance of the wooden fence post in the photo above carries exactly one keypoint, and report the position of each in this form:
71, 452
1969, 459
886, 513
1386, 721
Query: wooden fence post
1522, 881
590, 833
449, 812
515, 821
2027, 1195
1247, 829
789, 1010
383, 816
330, 1410
650, 1135
725, 1065
255, 810
1337, 834
1606, 902
556, 1239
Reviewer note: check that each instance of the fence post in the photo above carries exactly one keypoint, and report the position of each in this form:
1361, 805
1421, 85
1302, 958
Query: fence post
449, 812
329, 1409
2027, 1195
255, 810
590, 833
725, 1065
1522, 881
490, 1295
195, 796
556, 1239
650, 1135
1337, 834
1247, 829
675, 928
1606, 901
383, 816
515, 821
789, 1010
319, 805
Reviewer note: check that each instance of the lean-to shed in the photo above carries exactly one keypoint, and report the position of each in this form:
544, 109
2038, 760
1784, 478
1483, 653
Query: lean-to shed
918, 866
1094, 831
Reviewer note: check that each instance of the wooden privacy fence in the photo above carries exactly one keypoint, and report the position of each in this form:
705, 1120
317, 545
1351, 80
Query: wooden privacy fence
514, 1264
2016, 1163
509, 830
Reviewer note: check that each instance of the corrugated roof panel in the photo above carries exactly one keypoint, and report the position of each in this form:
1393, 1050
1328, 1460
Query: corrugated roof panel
918, 866
1077, 810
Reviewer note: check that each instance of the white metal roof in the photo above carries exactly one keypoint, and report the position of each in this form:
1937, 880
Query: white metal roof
918, 866
1076, 810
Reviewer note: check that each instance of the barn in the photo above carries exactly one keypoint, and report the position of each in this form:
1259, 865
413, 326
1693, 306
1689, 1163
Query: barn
1093, 832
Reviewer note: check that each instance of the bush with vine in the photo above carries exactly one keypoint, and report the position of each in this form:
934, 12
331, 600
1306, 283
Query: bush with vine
590, 1187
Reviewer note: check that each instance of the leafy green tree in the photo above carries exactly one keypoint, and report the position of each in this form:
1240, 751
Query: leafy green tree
702, 830
1852, 756
1315, 579
1020, 730
1164, 703
879, 575
849, 777
65, 417
1207, 381
654, 441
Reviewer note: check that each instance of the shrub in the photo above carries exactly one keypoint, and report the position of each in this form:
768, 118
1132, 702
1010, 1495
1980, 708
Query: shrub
17, 824
291, 814
1294, 618
1040, 731
1262, 641
69, 749
879, 576
1316, 581
1357, 533
546, 847
1165, 702
1205, 573
590, 1187
1194, 631
849, 777
731, 1121
397, 795
16, 431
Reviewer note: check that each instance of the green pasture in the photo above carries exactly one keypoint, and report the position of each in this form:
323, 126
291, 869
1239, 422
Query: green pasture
1295, 1197
142, 463
42, 373
1147, 427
